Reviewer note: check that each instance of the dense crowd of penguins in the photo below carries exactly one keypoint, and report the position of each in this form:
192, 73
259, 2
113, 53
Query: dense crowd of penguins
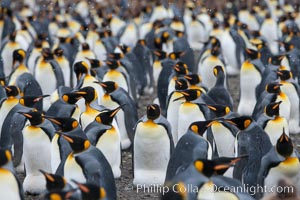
72, 74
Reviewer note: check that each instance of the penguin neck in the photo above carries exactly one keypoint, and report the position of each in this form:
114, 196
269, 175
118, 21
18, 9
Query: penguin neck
220, 80
89, 109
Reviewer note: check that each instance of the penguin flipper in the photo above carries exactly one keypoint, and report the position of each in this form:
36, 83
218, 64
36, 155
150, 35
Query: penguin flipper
94, 131
58, 73
48, 128
164, 122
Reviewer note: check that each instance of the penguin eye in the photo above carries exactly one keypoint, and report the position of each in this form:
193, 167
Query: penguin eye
102, 193
199, 165
65, 98
74, 124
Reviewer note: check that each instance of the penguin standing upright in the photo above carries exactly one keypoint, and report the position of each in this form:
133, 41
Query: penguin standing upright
10, 187
19, 56
196, 33
64, 65
116, 96
106, 137
36, 151
152, 148
269, 30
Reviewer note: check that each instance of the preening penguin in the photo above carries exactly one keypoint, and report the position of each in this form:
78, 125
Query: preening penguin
152, 148
90, 191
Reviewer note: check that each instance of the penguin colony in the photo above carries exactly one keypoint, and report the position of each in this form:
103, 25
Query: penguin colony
72, 75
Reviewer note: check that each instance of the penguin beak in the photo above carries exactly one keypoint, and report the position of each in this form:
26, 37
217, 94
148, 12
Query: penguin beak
187, 77
179, 98
53, 120
8, 89
70, 140
211, 108
80, 93
81, 187
115, 111
25, 114
40, 98
222, 166
231, 122
47, 176
276, 105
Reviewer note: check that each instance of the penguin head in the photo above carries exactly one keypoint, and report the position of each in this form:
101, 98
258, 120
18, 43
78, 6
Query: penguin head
284, 145
106, 117
47, 54
218, 70
199, 127
180, 68
242, 122
94, 63
78, 143
85, 46
18, 56
81, 68
91, 191
65, 123
108, 86
153, 111
181, 84
88, 93
273, 87
113, 64
71, 97
35, 117
175, 55
160, 54
58, 52
12, 91
193, 79
219, 110
141, 42
54, 181
179, 34
5, 157
116, 55
215, 51
276, 60
284, 74
189, 95
215, 42
12, 36
272, 109
30, 101
252, 54
58, 195
124, 48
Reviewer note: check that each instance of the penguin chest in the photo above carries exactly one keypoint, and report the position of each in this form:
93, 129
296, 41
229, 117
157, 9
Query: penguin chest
118, 77
129, 36
45, 76
206, 70
109, 144
108, 102
100, 50
6, 54
290, 90
274, 128
65, 68
5, 108
87, 117
9, 188
156, 70
171, 86
285, 106
18, 72
72, 170
208, 191
151, 146
55, 153
36, 150
223, 138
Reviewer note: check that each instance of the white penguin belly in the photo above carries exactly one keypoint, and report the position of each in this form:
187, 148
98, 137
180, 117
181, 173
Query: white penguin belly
32, 59
129, 36
117, 77
249, 79
208, 192
224, 140
151, 154
285, 106
46, 78
109, 144
156, 70
18, 72
188, 113
88, 117
8, 185
100, 50
65, 68
73, 171
4, 110
6, 54
55, 154
206, 71
274, 129
229, 53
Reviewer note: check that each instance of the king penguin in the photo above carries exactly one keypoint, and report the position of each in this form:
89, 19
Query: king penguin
152, 148
64, 65
19, 67
90, 191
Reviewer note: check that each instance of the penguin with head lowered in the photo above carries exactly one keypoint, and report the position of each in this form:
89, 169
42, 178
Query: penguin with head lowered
86, 163
152, 148
127, 117
36, 151
91, 191
10, 186
281, 162
106, 137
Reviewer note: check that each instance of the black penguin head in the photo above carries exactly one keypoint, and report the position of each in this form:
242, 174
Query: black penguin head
19, 55
85, 46
284, 145
284, 74
199, 127
219, 110
71, 97
109, 86
58, 195
189, 95
116, 56
54, 182
252, 54
193, 79
65, 123
124, 48
242, 122
153, 111
30, 101
276, 60
81, 68
47, 54
175, 55
215, 51
273, 87
94, 63
106, 117
272, 109
113, 64
181, 84
78, 142
58, 52
5, 157
35, 117
160, 54
180, 68
218, 70
90, 191
12, 36
215, 42
12, 91
88, 93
